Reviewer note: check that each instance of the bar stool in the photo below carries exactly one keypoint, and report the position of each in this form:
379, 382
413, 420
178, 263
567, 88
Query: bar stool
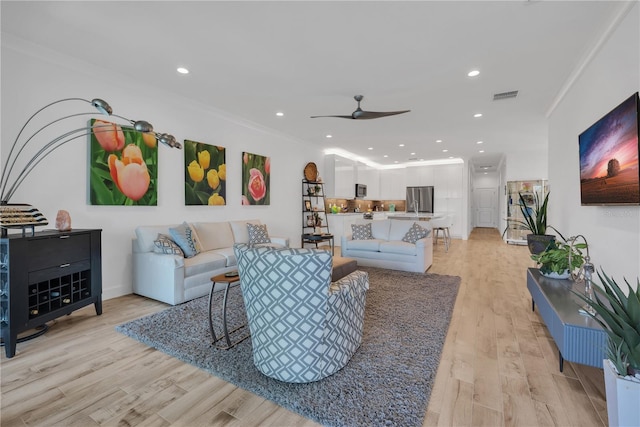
442, 224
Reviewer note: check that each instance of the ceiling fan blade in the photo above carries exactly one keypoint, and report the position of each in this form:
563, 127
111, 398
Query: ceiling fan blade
366, 115
341, 117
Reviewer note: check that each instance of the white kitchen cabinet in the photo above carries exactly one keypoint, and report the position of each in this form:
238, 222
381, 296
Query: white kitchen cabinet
371, 178
339, 176
393, 184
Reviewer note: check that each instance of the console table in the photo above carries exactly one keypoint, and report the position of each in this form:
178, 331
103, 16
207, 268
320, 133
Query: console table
44, 276
578, 337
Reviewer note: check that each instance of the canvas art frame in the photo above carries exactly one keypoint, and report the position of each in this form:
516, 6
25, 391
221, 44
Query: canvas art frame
205, 174
123, 165
256, 177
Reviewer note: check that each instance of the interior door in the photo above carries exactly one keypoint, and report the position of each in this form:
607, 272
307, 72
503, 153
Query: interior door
486, 207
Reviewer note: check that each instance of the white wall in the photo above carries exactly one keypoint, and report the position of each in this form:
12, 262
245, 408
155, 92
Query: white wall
33, 77
612, 76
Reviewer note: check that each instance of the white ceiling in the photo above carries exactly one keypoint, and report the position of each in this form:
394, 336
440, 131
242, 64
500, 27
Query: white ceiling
252, 59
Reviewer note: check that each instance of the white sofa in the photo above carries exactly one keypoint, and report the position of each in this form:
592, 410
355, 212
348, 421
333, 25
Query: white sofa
174, 279
387, 250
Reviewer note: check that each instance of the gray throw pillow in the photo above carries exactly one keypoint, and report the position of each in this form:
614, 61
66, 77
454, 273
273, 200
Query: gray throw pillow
258, 234
361, 231
164, 245
415, 233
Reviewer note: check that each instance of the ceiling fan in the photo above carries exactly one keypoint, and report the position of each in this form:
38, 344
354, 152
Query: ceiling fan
360, 114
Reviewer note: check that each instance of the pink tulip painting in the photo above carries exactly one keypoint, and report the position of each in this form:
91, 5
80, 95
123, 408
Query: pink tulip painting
123, 166
256, 174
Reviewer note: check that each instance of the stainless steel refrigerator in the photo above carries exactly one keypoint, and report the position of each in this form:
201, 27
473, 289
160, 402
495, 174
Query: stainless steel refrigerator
420, 198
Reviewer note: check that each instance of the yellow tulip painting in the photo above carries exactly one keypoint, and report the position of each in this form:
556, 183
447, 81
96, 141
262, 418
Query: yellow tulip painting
205, 178
123, 166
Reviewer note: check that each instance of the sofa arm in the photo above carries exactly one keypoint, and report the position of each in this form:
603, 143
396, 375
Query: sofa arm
344, 239
353, 283
159, 276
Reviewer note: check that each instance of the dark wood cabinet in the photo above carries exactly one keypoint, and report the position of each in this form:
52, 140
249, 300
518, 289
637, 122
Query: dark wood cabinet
45, 276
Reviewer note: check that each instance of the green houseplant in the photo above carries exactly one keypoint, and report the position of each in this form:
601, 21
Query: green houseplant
619, 315
535, 220
559, 259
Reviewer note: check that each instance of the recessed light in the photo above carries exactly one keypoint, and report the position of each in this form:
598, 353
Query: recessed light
413, 154
370, 148
451, 157
473, 73
477, 115
182, 70
329, 136
479, 142
445, 150
481, 151
486, 173
385, 156
438, 141
395, 161
279, 114
400, 145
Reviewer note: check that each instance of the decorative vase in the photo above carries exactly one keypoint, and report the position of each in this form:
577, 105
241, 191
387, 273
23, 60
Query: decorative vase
538, 242
623, 396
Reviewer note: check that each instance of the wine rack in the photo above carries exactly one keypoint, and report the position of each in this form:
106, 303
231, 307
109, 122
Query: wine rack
47, 275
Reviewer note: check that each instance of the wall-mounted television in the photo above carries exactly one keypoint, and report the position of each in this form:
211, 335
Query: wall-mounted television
609, 173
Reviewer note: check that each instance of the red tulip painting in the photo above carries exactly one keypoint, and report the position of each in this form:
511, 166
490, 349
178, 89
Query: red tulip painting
205, 177
123, 168
256, 172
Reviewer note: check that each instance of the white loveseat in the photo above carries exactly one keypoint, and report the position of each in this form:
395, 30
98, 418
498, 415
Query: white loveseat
175, 279
387, 250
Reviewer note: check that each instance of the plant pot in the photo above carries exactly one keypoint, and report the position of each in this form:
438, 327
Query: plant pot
554, 275
538, 242
623, 396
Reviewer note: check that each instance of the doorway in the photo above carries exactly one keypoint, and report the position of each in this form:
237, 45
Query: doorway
486, 203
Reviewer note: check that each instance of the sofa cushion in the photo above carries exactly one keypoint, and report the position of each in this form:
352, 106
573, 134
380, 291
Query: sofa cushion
380, 229
258, 233
361, 231
214, 235
396, 247
204, 262
164, 245
367, 245
240, 231
228, 254
187, 239
415, 233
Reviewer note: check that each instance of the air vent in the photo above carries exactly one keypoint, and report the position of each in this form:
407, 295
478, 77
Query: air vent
505, 95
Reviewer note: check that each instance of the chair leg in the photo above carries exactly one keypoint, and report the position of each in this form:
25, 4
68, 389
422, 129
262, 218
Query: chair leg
447, 239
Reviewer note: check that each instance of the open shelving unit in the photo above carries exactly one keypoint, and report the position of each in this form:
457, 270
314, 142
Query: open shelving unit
313, 203
516, 234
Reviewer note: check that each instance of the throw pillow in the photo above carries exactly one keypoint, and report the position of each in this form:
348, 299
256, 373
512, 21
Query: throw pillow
164, 245
415, 233
258, 234
187, 239
361, 231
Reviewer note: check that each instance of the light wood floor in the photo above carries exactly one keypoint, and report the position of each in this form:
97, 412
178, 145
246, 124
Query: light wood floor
499, 365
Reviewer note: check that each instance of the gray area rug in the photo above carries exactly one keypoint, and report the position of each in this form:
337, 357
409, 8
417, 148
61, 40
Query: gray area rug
387, 382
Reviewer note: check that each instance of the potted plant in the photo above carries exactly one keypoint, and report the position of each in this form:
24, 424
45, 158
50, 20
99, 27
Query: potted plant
535, 220
559, 259
619, 315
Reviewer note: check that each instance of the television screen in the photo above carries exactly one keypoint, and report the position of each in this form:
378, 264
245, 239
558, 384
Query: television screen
609, 173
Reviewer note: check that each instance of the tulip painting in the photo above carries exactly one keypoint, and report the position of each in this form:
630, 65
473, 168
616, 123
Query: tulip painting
205, 177
256, 173
123, 166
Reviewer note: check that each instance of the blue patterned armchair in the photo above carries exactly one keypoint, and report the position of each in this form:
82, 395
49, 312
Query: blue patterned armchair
303, 327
